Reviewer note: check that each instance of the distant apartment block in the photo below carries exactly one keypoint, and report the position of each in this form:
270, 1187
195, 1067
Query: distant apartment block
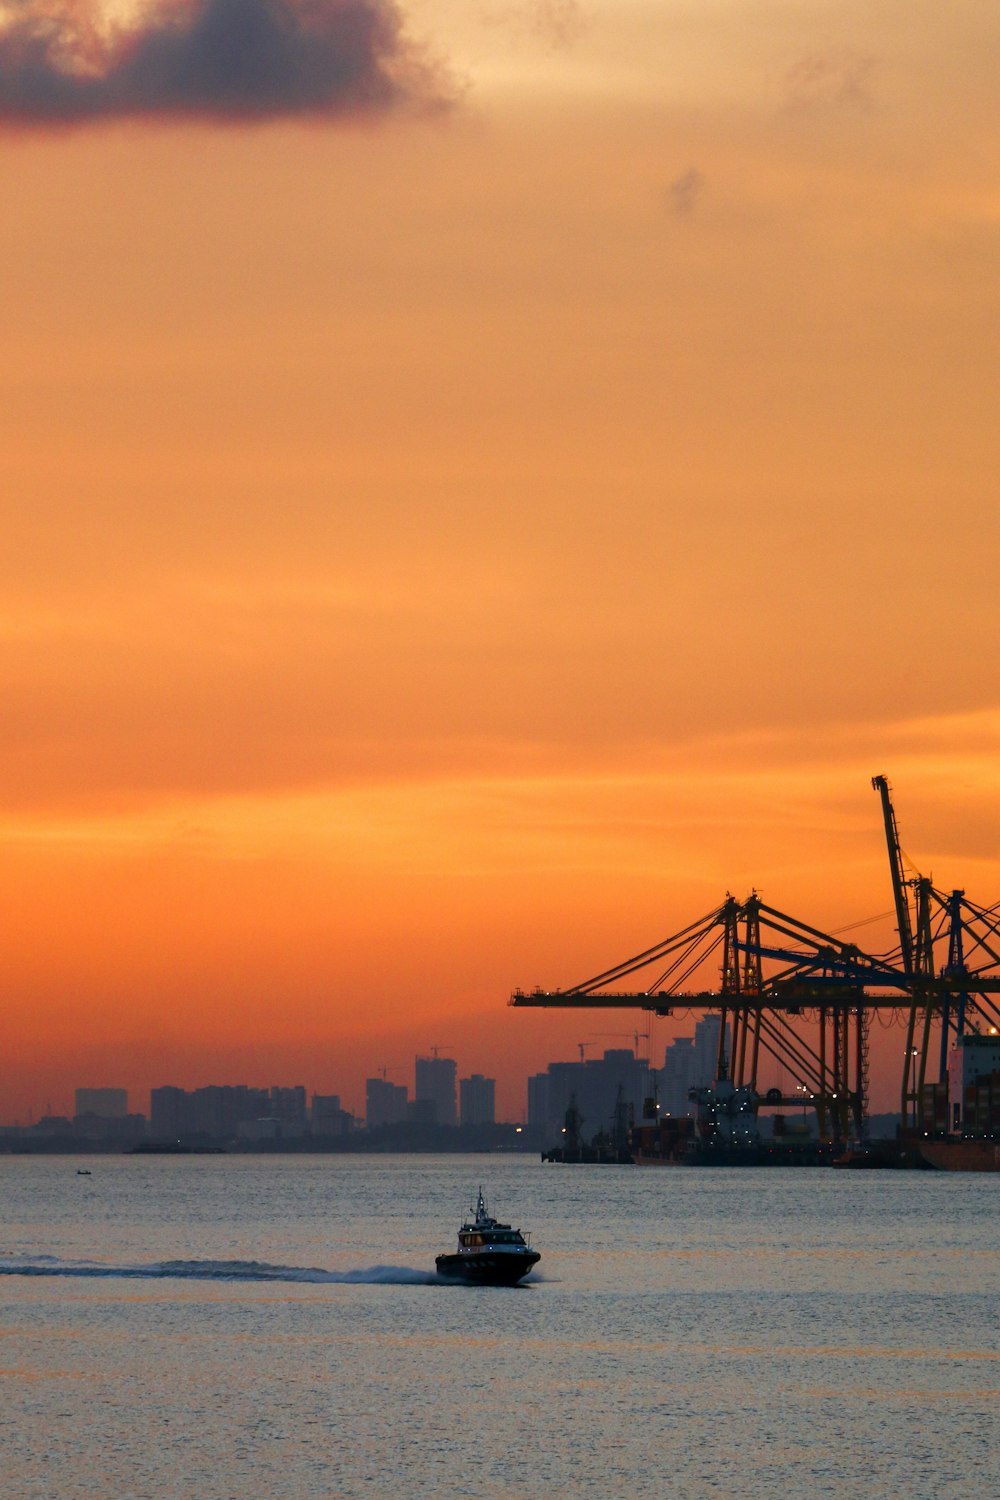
539, 1111
477, 1100
706, 1048
326, 1116
107, 1104
288, 1107
677, 1076
435, 1083
594, 1088
215, 1112
385, 1103
688, 1063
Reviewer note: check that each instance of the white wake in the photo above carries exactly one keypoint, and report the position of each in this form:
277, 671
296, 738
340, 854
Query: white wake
218, 1270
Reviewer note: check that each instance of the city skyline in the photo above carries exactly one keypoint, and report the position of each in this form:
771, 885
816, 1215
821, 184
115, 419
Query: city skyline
112, 1100
516, 1063
440, 1096
463, 521
686, 1047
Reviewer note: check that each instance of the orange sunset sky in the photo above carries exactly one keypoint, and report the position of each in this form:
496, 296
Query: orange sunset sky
452, 538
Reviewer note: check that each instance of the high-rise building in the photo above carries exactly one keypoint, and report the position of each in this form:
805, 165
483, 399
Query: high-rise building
706, 1048
538, 1102
102, 1115
327, 1117
677, 1076
477, 1100
166, 1113
690, 1063
435, 1081
108, 1104
289, 1106
385, 1102
595, 1088
213, 1113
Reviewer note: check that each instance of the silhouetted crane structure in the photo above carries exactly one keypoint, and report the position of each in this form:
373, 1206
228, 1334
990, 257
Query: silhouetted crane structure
949, 999
806, 999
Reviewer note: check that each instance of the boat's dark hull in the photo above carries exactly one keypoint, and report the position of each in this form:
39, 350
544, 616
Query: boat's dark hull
487, 1269
961, 1156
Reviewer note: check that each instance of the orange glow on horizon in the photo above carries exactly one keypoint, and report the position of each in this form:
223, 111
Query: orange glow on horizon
450, 554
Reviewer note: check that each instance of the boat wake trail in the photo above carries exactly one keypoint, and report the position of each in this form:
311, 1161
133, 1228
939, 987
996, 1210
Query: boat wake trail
218, 1270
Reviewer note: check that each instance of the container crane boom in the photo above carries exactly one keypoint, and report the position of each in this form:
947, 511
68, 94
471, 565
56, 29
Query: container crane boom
903, 923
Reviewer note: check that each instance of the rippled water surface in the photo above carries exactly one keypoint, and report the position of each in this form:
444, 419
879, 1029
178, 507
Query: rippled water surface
213, 1327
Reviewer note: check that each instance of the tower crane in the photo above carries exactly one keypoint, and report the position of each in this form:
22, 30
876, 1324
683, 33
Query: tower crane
637, 1037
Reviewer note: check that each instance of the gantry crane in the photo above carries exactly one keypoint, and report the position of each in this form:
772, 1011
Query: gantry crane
811, 1012
909, 1097
950, 999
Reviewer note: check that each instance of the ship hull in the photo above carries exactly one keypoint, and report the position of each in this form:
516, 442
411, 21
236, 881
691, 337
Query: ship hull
487, 1269
961, 1156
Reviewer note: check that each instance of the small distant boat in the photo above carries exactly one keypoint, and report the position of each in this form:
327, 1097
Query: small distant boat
856, 1157
83, 1172
489, 1253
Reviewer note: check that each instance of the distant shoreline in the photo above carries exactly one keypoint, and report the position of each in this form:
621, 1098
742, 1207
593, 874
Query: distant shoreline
352, 1146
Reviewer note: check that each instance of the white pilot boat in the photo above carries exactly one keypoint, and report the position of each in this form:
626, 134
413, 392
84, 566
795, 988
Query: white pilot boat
489, 1253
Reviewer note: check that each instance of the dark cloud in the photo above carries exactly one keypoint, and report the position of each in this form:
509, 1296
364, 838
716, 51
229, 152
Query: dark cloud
239, 60
684, 192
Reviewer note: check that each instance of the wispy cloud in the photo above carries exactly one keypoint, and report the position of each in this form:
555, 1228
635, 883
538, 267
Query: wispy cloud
559, 22
684, 192
61, 63
556, 23
830, 79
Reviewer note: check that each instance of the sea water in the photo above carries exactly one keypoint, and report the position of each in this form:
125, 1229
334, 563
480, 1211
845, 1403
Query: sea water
260, 1326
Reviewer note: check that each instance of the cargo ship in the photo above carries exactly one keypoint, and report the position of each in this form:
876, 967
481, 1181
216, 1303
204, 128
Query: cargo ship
959, 1155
